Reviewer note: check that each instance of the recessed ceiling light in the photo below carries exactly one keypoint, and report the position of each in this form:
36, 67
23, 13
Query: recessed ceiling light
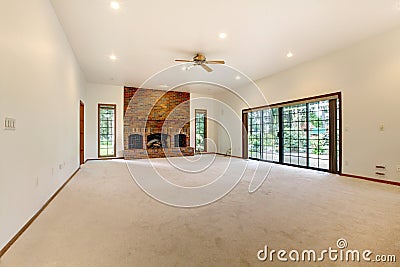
113, 57
183, 68
164, 85
222, 35
115, 5
238, 77
289, 54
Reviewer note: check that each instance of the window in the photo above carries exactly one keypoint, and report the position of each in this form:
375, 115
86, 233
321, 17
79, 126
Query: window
318, 130
270, 134
201, 130
255, 134
263, 134
295, 134
106, 130
302, 133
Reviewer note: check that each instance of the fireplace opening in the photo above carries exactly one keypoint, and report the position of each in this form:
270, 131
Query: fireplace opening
180, 140
157, 140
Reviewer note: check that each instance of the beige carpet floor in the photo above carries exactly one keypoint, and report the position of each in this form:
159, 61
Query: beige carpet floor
102, 218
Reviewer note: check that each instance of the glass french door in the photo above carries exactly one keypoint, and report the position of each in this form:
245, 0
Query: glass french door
264, 134
270, 140
318, 134
295, 135
304, 134
255, 136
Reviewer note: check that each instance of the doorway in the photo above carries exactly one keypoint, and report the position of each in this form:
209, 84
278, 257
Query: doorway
81, 133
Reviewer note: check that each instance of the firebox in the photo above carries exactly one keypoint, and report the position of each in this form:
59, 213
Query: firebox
157, 140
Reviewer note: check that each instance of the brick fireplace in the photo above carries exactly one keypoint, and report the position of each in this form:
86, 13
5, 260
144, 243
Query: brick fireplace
156, 123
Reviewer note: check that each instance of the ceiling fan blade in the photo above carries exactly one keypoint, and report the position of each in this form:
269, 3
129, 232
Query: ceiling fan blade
183, 60
207, 68
215, 62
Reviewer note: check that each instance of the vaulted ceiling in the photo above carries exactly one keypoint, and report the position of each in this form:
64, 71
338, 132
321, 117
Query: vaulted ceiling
146, 36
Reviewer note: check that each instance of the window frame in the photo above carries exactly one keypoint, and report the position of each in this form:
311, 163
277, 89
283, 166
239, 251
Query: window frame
114, 107
335, 104
204, 112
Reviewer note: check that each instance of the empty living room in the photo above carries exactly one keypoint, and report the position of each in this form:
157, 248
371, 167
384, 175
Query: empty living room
211, 133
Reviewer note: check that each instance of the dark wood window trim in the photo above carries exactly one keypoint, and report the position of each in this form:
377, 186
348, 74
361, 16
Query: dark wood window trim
336, 95
332, 96
200, 111
114, 106
245, 130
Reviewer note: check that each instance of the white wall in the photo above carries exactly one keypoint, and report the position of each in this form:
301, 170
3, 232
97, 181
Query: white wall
40, 85
103, 94
230, 116
367, 74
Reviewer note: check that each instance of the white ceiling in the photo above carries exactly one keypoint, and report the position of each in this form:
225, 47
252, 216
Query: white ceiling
148, 35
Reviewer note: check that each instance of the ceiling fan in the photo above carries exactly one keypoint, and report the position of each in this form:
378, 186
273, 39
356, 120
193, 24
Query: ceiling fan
200, 60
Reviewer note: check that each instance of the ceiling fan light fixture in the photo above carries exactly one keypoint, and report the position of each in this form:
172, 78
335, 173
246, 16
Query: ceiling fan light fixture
200, 60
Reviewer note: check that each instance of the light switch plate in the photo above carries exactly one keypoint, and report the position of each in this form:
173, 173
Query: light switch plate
9, 124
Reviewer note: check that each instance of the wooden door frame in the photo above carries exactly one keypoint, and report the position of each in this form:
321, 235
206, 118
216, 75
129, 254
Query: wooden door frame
81, 133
